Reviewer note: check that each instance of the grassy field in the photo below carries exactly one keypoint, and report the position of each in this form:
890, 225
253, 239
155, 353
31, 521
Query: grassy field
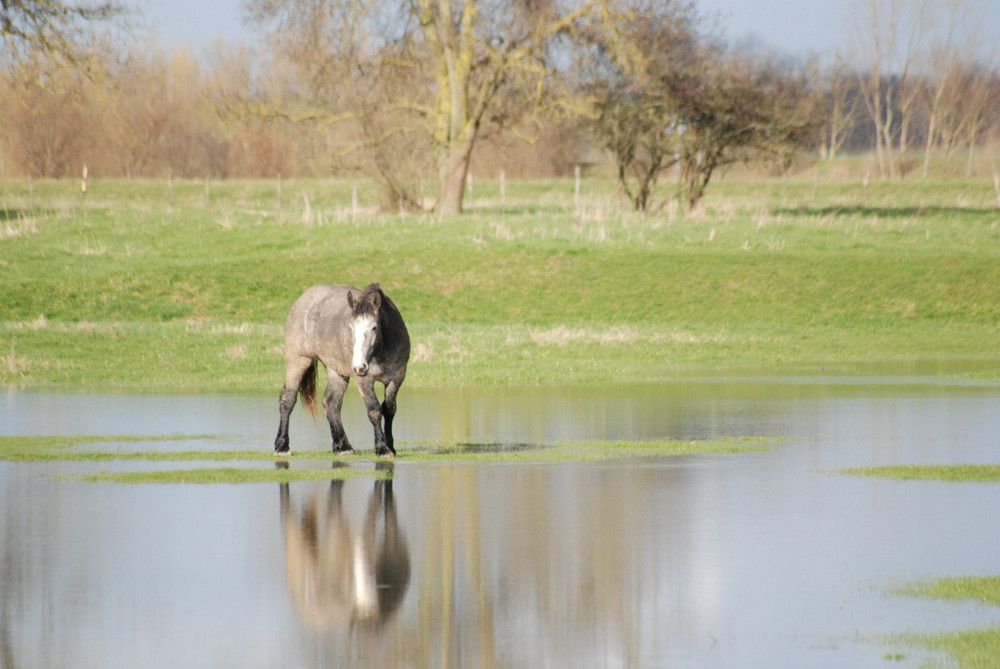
145, 287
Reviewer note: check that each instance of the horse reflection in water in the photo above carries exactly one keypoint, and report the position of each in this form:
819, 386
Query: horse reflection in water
340, 578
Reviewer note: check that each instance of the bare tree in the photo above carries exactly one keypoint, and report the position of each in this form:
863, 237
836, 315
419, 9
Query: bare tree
42, 125
959, 67
141, 114
979, 104
59, 29
843, 104
46, 110
637, 93
745, 106
886, 38
441, 68
692, 102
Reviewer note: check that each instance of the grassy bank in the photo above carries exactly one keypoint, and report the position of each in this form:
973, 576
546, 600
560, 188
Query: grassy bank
145, 288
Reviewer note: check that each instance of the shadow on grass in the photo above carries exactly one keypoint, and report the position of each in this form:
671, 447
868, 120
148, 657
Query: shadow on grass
25, 213
12, 214
868, 211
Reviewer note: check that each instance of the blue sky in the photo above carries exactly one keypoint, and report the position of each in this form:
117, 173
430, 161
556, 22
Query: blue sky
792, 26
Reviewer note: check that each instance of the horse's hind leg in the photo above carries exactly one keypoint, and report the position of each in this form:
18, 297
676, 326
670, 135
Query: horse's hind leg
286, 403
294, 373
333, 399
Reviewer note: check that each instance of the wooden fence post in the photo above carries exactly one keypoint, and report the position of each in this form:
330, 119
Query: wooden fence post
576, 188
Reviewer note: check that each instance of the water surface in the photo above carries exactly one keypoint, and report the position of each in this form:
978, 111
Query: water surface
750, 560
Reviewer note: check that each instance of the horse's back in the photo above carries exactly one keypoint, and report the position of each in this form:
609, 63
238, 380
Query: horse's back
314, 320
319, 300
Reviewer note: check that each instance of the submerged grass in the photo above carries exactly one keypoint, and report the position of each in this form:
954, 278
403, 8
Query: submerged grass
587, 450
232, 475
976, 649
47, 449
958, 473
533, 288
981, 589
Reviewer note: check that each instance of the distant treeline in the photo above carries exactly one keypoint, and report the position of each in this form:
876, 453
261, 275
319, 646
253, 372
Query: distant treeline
157, 113
930, 101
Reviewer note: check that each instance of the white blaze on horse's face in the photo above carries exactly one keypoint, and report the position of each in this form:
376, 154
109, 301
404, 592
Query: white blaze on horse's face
365, 329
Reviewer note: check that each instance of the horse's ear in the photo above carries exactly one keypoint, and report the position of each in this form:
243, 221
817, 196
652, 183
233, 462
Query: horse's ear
377, 299
350, 300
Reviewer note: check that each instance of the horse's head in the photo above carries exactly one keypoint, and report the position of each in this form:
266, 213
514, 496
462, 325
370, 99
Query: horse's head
364, 324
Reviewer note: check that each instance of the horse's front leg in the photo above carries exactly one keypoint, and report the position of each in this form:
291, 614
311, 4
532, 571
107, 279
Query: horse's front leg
366, 384
333, 399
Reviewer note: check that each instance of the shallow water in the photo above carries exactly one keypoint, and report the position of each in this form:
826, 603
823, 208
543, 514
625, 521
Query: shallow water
747, 560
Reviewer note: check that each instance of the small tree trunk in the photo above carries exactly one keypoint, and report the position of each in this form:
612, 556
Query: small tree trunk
973, 133
453, 173
929, 146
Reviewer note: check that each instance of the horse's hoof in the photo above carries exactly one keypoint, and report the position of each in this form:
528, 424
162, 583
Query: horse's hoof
283, 451
343, 450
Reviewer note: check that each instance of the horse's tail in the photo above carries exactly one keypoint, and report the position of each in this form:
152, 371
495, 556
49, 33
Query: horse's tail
307, 389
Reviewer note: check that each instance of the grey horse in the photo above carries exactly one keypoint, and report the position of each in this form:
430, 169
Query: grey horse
353, 332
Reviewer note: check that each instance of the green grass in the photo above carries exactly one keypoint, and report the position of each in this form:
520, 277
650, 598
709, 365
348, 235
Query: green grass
96, 296
978, 649
981, 589
959, 473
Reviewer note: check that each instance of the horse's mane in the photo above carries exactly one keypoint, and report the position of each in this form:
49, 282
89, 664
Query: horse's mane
369, 301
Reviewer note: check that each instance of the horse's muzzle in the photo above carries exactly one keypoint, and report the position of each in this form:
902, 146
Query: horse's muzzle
361, 370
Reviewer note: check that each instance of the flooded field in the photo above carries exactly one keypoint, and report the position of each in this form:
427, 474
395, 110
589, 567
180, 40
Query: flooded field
750, 560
